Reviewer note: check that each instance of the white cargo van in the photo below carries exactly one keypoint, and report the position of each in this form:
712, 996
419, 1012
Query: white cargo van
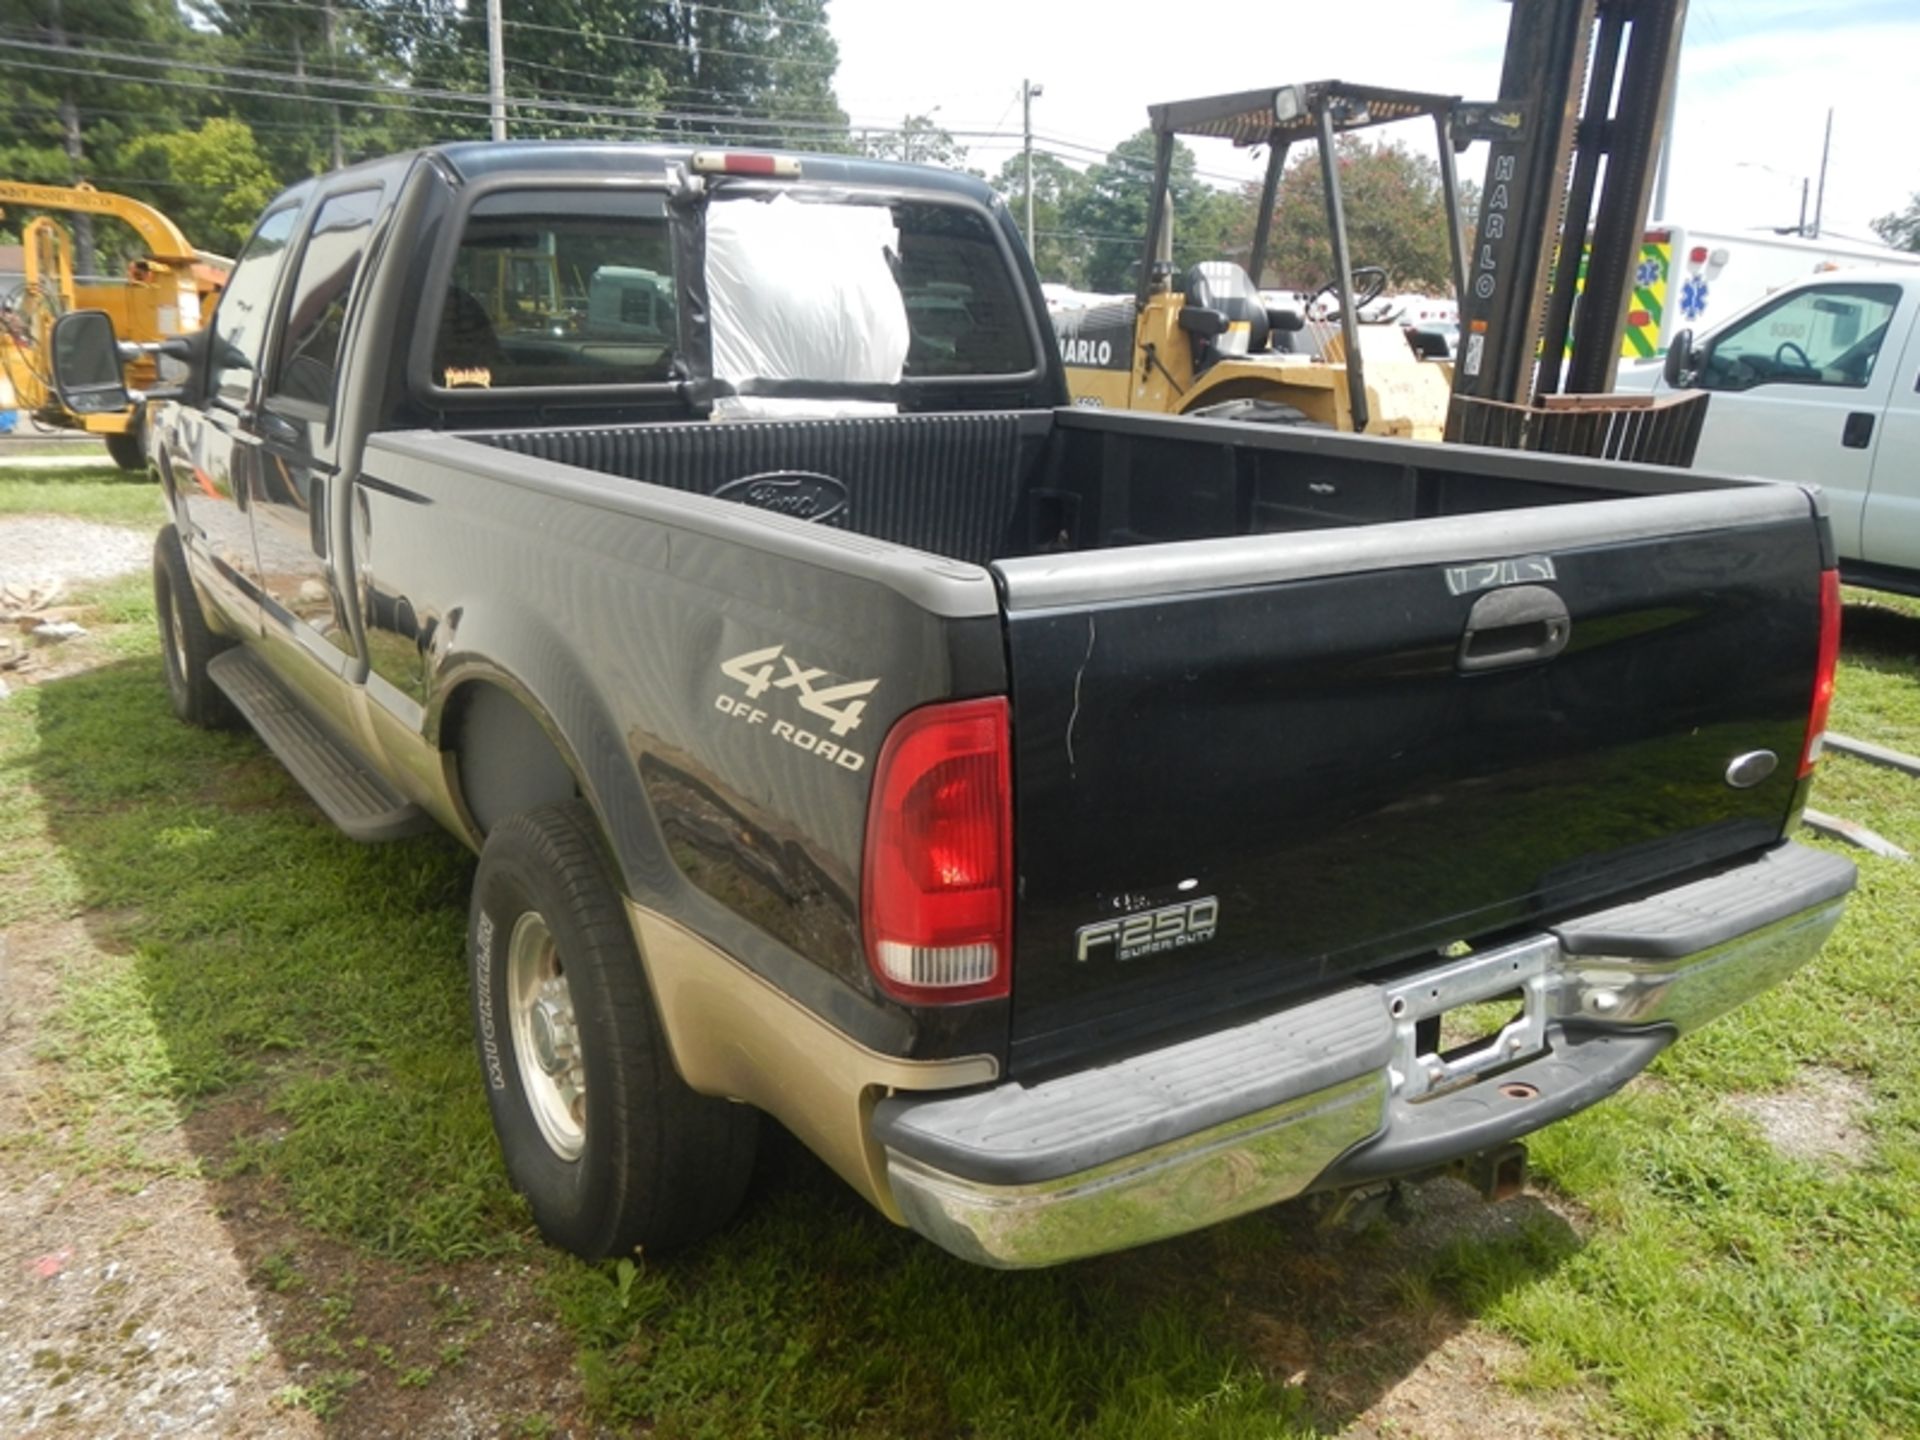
1690, 278
1819, 381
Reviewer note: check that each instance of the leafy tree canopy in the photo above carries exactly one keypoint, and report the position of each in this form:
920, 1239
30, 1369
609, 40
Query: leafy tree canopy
1396, 218
1901, 229
214, 180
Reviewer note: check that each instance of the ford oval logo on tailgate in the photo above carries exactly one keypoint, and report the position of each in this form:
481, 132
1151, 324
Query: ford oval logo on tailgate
1747, 771
802, 494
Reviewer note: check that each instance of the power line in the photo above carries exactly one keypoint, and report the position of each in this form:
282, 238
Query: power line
730, 128
780, 21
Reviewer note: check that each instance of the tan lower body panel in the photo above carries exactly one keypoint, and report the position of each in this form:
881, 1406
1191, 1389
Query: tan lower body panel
734, 1034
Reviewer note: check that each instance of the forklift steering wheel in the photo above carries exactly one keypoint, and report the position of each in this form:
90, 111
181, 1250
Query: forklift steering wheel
1363, 295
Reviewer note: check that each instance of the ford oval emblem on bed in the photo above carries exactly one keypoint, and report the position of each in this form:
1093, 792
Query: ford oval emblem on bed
803, 494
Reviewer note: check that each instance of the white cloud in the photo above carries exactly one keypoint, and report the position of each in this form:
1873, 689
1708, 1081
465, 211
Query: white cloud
1756, 79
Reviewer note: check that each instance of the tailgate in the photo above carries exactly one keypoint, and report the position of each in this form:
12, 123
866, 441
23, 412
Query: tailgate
1254, 766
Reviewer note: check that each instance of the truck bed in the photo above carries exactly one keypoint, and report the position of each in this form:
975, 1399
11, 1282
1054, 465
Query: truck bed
1308, 680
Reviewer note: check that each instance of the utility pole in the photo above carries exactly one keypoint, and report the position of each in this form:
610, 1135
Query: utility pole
1820, 196
85, 256
1028, 93
339, 151
496, 72
1801, 229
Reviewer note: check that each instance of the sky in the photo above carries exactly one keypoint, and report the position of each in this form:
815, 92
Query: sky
1756, 80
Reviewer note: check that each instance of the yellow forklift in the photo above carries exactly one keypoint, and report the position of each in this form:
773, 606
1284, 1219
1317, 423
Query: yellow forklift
1206, 343
1585, 89
167, 291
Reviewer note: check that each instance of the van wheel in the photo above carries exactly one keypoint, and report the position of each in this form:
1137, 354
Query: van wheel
186, 643
611, 1148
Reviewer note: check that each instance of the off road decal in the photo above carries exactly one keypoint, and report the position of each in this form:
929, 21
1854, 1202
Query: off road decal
761, 672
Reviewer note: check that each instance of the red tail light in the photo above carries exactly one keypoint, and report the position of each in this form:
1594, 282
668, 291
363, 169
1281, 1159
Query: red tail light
937, 895
1829, 662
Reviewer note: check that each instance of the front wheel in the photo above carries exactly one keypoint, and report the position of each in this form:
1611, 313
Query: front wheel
187, 643
611, 1148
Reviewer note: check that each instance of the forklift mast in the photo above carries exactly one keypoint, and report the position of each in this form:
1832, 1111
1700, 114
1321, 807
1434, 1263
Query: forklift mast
1584, 81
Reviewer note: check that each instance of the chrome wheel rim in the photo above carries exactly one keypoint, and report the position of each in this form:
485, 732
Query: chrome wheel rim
546, 1041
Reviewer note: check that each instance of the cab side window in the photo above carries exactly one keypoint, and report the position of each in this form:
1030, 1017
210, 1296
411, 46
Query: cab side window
1827, 335
240, 322
322, 287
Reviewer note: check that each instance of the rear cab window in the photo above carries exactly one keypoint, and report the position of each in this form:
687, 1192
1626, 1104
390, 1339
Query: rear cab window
551, 288
558, 290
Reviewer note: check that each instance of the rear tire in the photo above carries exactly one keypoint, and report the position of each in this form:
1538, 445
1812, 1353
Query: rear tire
187, 645
611, 1148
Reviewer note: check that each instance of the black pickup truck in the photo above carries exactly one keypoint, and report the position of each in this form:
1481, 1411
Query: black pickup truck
1075, 827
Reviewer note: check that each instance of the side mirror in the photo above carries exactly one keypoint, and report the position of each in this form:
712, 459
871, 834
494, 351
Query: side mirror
1202, 321
1680, 361
86, 364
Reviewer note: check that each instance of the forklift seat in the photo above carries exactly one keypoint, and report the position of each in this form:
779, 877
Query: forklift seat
1222, 285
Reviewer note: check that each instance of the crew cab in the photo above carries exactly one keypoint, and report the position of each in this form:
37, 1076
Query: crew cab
1819, 383
1074, 827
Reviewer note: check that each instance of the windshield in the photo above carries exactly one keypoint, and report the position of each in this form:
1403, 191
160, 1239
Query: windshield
569, 288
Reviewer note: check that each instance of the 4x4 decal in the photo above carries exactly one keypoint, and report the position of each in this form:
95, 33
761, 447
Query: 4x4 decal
841, 706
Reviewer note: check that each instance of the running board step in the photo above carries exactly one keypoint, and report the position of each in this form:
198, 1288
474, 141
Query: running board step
353, 796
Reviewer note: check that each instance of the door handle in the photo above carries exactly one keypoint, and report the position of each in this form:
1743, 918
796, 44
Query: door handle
278, 428
1857, 433
1520, 625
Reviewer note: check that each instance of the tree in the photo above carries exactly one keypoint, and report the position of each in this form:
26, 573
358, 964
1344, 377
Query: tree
1110, 213
217, 179
1396, 218
918, 141
1058, 254
67, 108
1901, 229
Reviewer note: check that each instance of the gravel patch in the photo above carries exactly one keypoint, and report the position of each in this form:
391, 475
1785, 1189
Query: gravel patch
40, 551
1819, 1120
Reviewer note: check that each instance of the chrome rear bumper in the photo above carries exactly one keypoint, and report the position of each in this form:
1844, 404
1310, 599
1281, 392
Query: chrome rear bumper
1335, 1092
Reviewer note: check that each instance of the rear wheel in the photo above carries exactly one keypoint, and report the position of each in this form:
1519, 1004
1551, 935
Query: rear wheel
186, 642
611, 1148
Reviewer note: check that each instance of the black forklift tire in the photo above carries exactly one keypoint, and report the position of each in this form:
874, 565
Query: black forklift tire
187, 645
128, 451
612, 1149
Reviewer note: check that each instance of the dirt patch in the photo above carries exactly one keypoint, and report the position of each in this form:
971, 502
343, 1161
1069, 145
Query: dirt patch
1821, 1120
123, 1308
1458, 1392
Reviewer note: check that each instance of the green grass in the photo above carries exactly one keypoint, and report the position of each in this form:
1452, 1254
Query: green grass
85, 493
246, 961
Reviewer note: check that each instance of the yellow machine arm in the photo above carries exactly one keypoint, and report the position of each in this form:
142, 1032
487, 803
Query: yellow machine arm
160, 235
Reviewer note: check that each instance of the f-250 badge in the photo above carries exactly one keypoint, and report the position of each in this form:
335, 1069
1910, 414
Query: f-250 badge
841, 706
1130, 937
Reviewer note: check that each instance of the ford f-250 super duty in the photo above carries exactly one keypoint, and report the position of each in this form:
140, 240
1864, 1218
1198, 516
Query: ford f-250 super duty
1074, 827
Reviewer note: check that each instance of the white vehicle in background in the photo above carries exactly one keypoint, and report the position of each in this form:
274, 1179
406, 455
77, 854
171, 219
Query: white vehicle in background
1819, 382
1690, 277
